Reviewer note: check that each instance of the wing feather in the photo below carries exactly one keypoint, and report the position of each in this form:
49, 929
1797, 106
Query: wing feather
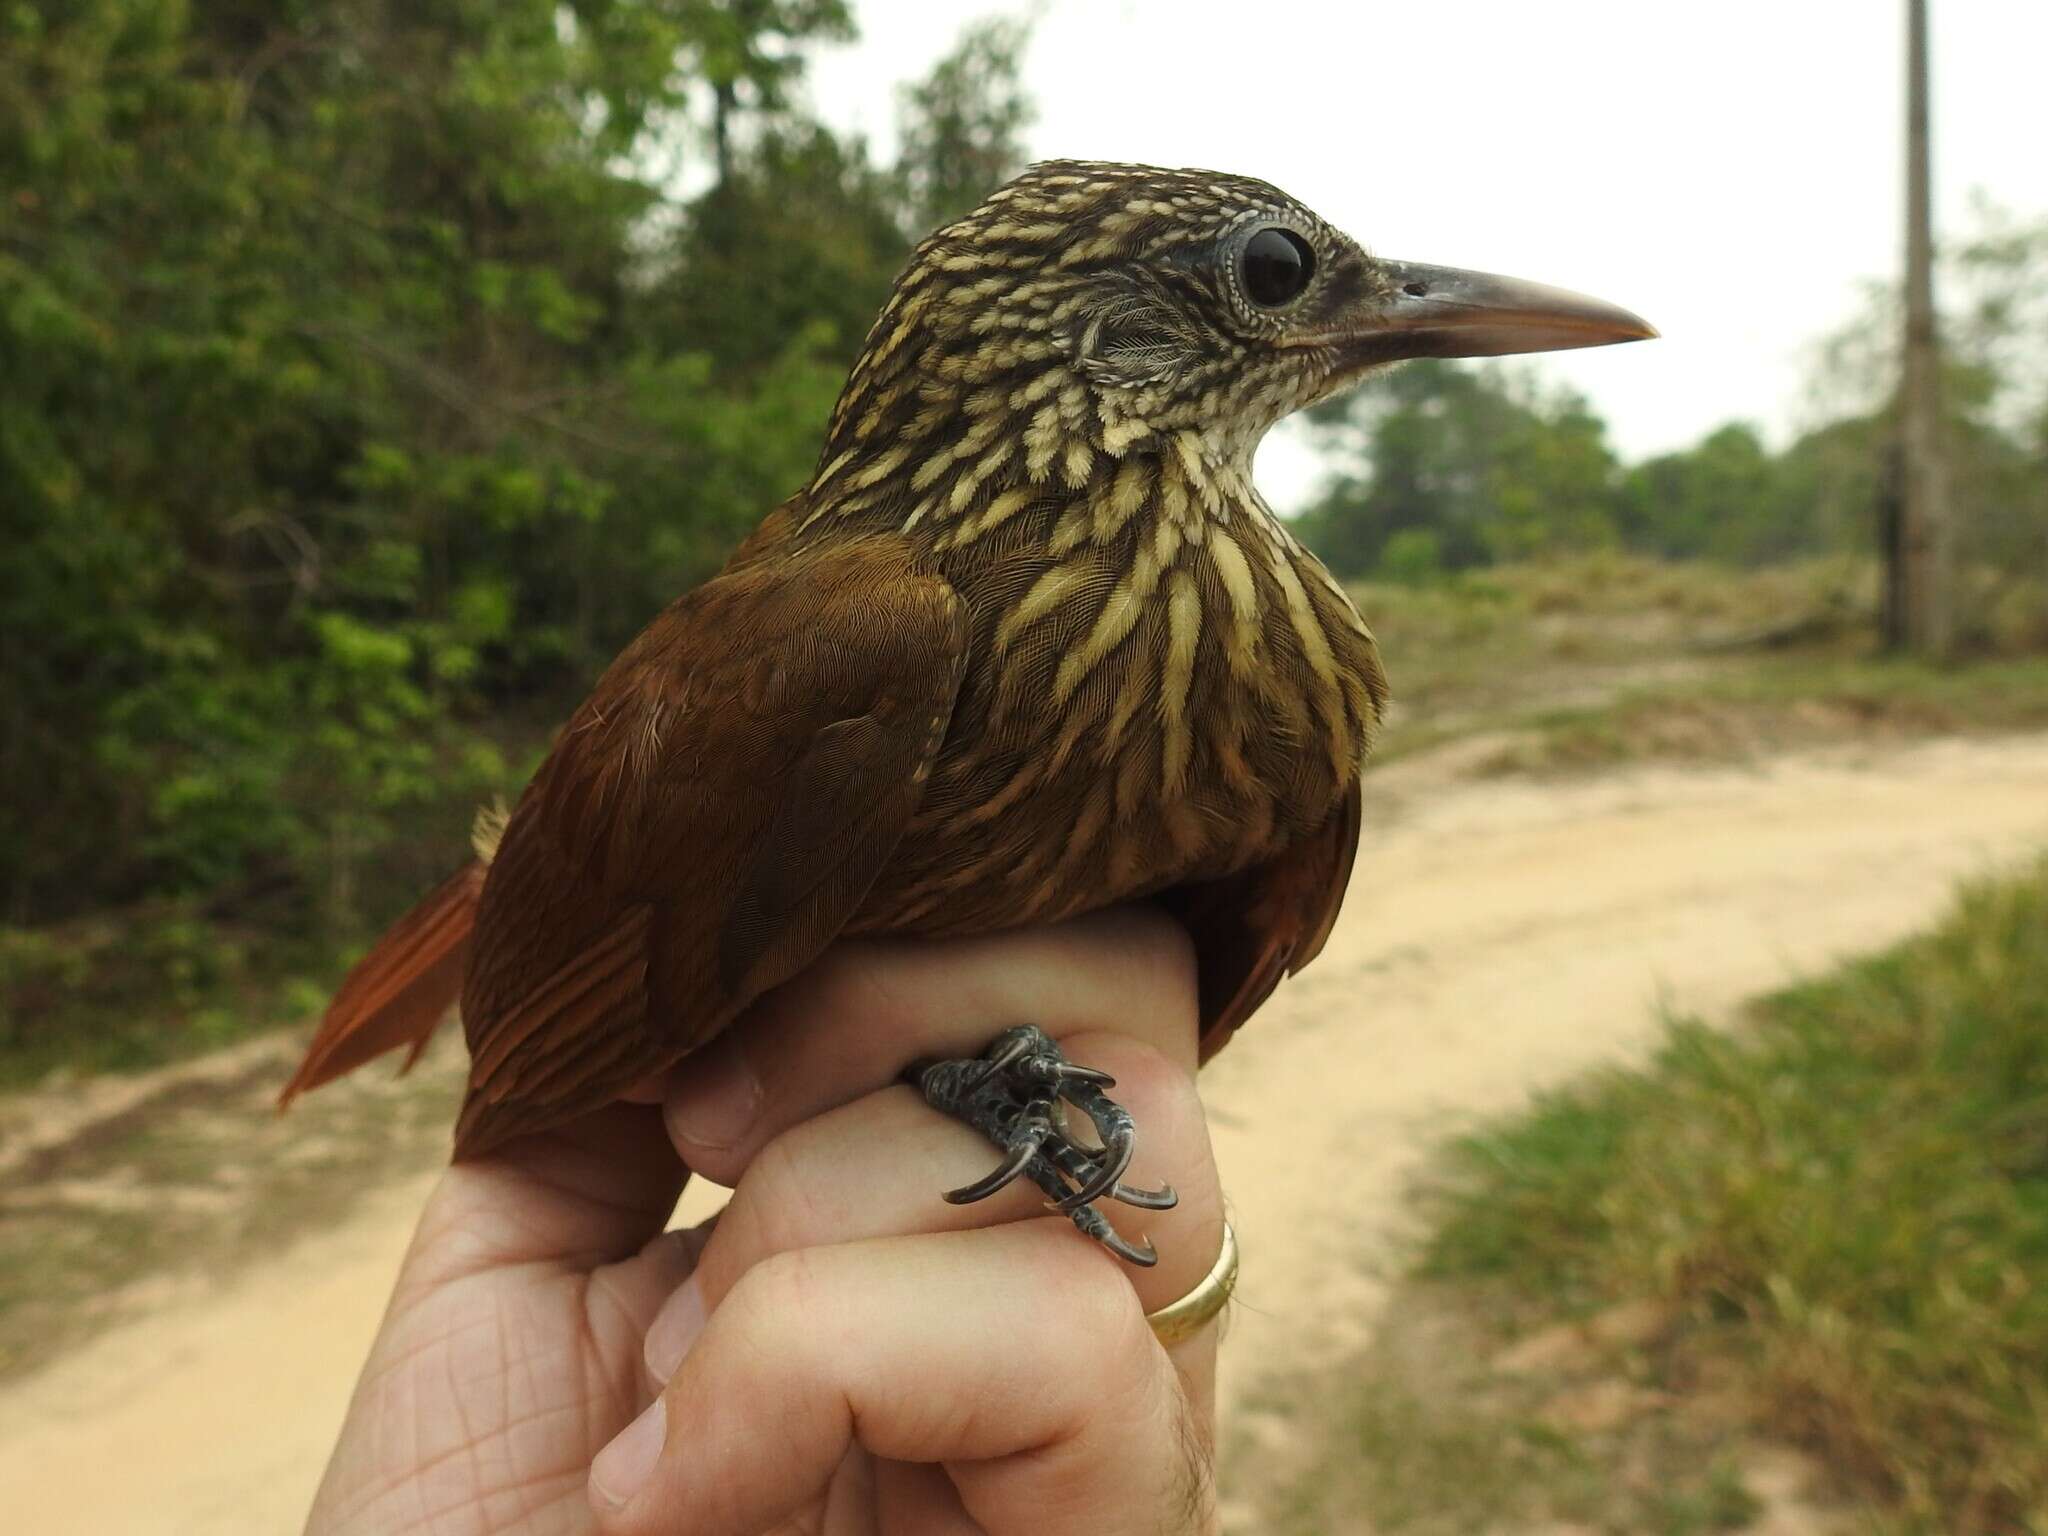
707, 822
1252, 928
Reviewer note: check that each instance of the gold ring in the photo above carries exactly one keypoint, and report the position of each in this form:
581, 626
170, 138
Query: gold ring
1187, 1317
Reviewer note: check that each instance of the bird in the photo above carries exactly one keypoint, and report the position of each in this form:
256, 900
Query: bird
1028, 644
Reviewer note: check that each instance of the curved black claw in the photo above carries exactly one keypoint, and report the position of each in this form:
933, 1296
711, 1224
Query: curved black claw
1067, 1072
1097, 1226
1144, 1257
1012, 1046
1012, 1094
1011, 1167
1163, 1198
1080, 1166
1114, 1241
1115, 1162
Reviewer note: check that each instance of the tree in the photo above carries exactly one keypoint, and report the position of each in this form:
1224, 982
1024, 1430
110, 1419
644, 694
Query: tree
1727, 498
1486, 461
1994, 423
1443, 465
748, 54
1919, 544
363, 386
962, 126
801, 236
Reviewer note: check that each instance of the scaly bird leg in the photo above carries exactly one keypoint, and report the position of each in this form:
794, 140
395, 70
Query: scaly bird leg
1012, 1094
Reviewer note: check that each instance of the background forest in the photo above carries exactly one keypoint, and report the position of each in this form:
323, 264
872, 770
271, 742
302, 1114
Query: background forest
370, 371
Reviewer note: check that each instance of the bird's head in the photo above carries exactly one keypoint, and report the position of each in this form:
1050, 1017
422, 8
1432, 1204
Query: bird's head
1089, 310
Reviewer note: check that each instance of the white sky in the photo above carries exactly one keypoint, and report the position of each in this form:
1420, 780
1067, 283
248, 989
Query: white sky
1730, 169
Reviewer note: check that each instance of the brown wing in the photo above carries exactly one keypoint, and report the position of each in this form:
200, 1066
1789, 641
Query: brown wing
706, 823
396, 994
1269, 921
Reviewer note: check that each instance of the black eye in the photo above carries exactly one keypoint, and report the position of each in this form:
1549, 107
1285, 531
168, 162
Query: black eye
1276, 266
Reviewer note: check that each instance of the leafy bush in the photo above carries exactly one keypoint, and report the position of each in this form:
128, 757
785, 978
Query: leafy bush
363, 383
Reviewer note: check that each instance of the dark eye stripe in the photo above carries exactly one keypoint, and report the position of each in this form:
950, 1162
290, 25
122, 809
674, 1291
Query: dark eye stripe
1275, 267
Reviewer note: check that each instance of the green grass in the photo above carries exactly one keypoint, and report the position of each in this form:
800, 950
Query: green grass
136, 989
1422, 1436
1422, 1463
1604, 660
1772, 703
1495, 642
1844, 1203
1827, 1228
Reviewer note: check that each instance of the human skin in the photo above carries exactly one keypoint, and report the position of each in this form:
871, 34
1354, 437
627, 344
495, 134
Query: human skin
843, 1351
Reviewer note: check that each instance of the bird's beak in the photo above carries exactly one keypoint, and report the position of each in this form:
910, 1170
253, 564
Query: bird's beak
1446, 312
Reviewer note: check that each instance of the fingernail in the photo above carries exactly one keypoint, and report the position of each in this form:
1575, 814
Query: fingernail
622, 1467
675, 1329
720, 1099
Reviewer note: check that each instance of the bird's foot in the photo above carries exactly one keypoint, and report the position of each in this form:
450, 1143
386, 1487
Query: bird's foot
1015, 1093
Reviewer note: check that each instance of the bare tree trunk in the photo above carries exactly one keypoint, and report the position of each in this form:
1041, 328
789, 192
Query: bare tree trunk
725, 99
1891, 548
1923, 547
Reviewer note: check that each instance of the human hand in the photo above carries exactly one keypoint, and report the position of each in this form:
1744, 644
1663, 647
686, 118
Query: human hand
844, 1351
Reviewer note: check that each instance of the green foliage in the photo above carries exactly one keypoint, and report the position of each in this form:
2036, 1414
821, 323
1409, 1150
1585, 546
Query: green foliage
796, 244
363, 384
1849, 1200
744, 51
1495, 467
1492, 466
1727, 498
295, 310
1487, 461
1412, 556
963, 124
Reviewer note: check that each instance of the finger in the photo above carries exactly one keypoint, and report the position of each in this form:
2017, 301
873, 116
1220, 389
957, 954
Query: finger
875, 1167
598, 1189
1049, 1419
630, 1294
865, 1011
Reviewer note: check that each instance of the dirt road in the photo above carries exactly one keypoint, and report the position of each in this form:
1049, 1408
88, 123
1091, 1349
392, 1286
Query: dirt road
1501, 935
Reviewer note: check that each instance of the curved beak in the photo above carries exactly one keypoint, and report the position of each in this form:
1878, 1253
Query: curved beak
1429, 311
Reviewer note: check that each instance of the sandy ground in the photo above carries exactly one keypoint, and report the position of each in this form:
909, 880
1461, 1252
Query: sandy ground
1501, 935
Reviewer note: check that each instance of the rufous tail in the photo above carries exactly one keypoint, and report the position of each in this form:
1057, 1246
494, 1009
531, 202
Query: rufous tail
397, 993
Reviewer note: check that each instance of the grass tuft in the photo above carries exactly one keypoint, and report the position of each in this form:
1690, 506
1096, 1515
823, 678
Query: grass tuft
1848, 1201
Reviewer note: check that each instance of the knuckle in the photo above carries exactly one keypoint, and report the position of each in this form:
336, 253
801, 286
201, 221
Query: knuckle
776, 1288
1099, 1308
1159, 1090
1144, 1068
774, 1202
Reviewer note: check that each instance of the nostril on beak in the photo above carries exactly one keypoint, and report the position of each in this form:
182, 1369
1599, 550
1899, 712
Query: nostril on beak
1417, 290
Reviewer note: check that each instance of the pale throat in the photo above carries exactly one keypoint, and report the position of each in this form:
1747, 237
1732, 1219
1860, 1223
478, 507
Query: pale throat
975, 458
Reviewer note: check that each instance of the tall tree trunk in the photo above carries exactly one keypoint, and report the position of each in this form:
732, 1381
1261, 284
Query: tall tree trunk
725, 101
1891, 547
1923, 548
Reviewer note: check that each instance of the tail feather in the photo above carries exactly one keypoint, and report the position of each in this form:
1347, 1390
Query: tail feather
401, 989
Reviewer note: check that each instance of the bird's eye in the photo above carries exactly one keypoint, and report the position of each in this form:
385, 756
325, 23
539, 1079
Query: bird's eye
1276, 265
